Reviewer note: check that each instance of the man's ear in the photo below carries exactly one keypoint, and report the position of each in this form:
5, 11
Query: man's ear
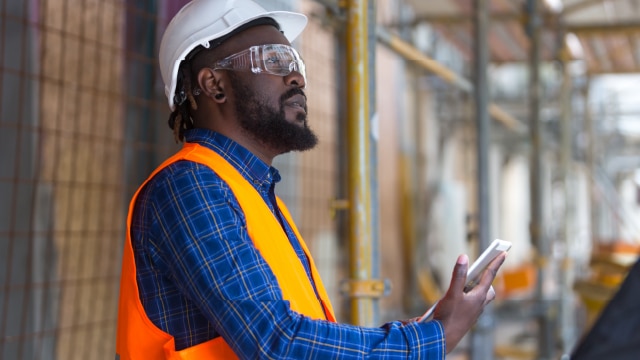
211, 84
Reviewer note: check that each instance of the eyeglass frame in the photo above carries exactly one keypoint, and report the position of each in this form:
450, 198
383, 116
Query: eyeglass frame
257, 64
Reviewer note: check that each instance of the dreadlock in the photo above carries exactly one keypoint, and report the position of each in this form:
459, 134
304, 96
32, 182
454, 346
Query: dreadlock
180, 119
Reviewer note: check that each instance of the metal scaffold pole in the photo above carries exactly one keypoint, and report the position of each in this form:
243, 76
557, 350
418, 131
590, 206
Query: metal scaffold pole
364, 289
567, 275
482, 341
545, 333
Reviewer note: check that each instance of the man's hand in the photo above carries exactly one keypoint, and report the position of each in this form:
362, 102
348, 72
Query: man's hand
457, 310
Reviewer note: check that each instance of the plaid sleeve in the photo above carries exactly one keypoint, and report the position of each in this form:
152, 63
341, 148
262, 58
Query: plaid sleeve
203, 245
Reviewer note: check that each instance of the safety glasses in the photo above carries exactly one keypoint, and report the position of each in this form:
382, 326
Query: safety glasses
275, 59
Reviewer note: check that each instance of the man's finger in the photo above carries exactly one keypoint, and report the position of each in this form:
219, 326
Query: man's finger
491, 295
490, 272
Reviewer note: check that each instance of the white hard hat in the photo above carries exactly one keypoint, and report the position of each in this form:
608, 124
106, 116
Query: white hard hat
201, 21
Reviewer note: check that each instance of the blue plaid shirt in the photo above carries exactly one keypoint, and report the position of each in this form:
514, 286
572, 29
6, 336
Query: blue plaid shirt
200, 276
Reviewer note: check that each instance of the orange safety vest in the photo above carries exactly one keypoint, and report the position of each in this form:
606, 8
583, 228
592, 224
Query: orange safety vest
139, 338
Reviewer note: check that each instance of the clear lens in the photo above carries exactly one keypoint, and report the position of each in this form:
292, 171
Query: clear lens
278, 59
275, 59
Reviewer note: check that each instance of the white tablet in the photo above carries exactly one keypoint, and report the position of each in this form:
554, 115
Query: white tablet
477, 268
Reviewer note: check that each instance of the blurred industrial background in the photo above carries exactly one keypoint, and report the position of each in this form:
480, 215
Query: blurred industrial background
449, 122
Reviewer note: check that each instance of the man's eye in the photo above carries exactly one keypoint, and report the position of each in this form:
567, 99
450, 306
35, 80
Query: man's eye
279, 60
273, 60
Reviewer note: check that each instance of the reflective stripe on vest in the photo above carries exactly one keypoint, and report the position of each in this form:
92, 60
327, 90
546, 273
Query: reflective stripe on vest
139, 338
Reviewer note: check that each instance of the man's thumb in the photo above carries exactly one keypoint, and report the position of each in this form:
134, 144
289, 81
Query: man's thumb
459, 276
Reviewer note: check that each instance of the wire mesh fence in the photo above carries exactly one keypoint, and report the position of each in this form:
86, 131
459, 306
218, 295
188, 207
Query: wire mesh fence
82, 123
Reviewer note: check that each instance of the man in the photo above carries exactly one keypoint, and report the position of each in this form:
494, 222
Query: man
213, 266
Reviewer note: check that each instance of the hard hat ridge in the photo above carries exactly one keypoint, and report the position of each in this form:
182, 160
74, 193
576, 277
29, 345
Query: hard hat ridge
201, 21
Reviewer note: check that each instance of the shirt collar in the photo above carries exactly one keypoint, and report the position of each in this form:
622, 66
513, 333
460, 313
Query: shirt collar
256, 171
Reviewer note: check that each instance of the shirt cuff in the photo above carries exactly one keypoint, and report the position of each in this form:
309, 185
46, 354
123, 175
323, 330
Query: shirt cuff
426, 340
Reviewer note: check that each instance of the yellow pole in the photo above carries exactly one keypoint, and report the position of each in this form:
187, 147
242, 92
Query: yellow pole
358, 132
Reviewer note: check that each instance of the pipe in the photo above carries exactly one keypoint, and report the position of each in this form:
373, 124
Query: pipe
539, 241
482, 339
373, 148
359, 147
567, 273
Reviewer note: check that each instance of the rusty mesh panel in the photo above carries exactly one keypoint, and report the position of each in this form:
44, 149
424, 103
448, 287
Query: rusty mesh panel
310, 179
78, 97
319, 168
63, 191
82, 123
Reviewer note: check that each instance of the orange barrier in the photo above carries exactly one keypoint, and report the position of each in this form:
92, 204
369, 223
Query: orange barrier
610, 263
516, 281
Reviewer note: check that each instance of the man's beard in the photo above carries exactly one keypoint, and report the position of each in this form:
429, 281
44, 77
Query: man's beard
268, 125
